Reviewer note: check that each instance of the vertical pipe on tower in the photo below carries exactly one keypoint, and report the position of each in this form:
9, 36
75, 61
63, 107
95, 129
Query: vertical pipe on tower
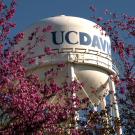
103, 103
71, 75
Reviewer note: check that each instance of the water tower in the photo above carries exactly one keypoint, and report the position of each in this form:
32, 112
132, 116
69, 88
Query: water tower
83, 47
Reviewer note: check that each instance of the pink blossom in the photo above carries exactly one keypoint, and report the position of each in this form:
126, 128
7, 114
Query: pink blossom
122, 90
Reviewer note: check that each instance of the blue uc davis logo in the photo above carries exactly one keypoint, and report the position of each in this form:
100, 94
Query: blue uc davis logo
60, 37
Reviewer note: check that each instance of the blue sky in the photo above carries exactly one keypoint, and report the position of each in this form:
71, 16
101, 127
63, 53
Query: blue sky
31, 11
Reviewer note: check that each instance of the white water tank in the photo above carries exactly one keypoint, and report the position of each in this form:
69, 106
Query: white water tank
74, 40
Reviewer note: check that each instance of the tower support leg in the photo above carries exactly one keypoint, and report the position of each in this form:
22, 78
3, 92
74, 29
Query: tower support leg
114, 105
